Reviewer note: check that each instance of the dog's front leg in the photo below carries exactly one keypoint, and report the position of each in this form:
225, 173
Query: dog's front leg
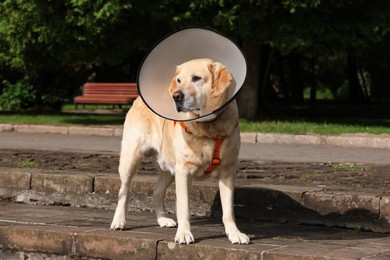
226, 189
183, 183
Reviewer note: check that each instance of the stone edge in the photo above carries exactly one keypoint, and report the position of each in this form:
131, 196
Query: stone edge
347, 140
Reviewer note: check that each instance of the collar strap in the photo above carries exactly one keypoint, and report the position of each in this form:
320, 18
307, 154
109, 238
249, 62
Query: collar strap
216, 160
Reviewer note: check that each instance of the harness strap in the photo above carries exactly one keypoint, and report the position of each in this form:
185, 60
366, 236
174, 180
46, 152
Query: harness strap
216, 155
183, 126
216, 160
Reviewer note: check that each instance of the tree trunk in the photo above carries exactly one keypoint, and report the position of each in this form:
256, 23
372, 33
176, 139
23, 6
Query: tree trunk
248, 99
355, 89
313, 89
380, 92
282, 75
296, 78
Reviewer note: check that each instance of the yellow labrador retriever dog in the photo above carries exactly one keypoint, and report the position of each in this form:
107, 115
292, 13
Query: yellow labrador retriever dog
186, 150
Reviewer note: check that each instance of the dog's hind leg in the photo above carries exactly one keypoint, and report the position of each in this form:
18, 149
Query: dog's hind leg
130, 159
165, 179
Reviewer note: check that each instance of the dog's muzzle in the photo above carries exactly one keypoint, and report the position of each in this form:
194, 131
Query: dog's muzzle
178, 97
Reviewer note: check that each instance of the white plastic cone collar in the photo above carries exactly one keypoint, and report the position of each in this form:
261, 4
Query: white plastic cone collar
158, 68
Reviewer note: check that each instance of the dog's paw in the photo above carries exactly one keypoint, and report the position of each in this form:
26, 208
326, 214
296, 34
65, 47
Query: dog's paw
119, 220
118, 224
166, 222
184, 237
238, 238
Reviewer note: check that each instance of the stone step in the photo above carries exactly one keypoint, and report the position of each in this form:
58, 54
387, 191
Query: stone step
253, 200
56, 232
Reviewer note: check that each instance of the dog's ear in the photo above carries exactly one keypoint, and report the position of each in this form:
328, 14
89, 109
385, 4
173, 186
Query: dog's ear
221, 79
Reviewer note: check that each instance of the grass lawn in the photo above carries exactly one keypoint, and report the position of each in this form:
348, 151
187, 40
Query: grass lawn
305, 127
280, 126
62, 119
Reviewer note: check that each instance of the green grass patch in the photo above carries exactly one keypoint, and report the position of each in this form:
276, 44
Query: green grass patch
304, 127
348, 167
28, 164
277, 126
62, 119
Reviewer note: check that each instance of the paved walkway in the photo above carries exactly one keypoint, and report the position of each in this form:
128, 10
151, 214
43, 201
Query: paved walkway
250, 151
80, 232
346, 140
29, 231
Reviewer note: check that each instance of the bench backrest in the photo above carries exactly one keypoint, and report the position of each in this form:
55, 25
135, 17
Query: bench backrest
110, 89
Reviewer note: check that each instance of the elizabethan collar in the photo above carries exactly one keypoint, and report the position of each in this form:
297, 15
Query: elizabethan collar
158, 68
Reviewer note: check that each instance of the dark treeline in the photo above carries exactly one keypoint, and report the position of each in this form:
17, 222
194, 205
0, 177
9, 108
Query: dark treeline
306, 52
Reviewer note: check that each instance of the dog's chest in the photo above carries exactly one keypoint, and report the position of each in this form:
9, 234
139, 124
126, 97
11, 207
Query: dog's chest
192, 157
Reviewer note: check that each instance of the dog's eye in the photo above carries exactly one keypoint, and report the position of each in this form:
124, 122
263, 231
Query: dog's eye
196, 78
178, 80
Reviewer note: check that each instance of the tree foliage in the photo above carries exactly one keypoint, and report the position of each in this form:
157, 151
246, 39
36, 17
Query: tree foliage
55, 45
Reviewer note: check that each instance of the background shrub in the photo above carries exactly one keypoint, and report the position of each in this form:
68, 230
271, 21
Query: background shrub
16, 96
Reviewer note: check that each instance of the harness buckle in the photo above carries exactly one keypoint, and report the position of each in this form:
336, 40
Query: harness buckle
216, 161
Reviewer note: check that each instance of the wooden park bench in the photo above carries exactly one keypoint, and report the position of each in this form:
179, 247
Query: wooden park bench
107, 93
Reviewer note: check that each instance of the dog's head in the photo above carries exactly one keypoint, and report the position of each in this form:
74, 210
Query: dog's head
200, 86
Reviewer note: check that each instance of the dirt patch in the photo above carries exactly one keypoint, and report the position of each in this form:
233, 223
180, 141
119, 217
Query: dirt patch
340, 176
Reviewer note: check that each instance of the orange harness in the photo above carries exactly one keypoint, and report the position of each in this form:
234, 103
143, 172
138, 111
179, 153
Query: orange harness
216, 154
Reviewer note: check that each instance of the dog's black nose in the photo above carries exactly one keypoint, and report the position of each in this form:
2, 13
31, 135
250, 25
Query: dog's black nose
178, 96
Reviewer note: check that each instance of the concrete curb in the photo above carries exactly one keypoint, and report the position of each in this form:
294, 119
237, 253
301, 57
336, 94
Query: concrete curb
345, 140
296, 204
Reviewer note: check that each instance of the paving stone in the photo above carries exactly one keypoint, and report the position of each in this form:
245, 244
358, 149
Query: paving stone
357, 211
289, 139
277, 202
62, 183
15, 180
7, 127
207, 250
57, 240
342, 203
249, 137
385, 208
20, 255
118, 245
41, 129
118, 131
385, 256
107, 184
307, 251
88, 130
381, 141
